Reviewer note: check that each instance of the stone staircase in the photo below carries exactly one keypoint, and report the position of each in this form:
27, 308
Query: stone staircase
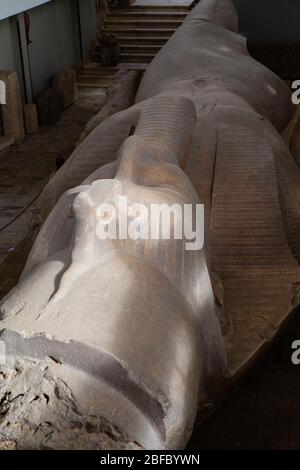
142, 29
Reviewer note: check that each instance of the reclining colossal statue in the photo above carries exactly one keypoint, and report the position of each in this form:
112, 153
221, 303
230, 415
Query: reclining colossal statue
117, 343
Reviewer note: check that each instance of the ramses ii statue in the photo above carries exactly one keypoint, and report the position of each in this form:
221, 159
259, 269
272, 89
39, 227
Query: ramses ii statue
115, 343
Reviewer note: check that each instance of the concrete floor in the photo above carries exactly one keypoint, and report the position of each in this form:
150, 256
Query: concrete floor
264, 410
25, 168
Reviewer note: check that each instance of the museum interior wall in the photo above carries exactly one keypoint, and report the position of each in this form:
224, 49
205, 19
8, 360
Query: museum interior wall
54, 32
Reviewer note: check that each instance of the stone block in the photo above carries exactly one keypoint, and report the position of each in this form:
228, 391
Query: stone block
12, 113
48, 104
66, 83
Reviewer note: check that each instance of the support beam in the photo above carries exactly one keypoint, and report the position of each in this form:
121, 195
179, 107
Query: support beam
25, 59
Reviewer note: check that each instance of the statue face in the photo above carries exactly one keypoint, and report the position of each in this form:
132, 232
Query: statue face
149, 210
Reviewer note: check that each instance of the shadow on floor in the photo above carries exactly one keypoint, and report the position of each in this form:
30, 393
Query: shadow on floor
264, 411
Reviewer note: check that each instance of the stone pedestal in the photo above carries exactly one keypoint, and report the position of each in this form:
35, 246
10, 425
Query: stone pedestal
12, 113
49, 106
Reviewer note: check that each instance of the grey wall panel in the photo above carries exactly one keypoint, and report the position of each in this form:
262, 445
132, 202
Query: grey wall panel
269, 21
55, 41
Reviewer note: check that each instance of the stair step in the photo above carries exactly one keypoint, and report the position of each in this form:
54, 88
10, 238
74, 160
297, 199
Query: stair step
142, 24
84, 85
141, 30
128, 58
140, 48
97, 72
147, 15
96, 65
126, 64
83, 77
91, 77
131, 39
99, 83
102, 71
125, 31
137, 57
135, 48
158, 7
151, 40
